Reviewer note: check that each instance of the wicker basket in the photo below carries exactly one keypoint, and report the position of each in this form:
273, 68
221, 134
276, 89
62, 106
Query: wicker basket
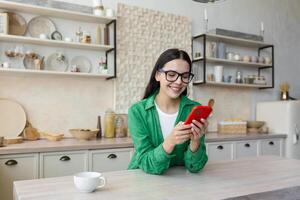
232, 127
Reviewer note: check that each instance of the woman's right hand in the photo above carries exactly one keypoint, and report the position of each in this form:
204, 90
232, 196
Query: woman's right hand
180, 134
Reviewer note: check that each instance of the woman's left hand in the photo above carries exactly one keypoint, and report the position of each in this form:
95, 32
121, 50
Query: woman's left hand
198, 129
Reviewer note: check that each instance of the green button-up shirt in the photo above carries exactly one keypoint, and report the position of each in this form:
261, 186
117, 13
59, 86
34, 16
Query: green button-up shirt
145, 130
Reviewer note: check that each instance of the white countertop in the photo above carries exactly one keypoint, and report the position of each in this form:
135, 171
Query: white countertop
71, 144
218, 180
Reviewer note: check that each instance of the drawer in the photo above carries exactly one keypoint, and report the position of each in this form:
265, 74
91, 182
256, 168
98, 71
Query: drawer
63, 163
109, 160
14, 168
270, 147
220, 151
246, 149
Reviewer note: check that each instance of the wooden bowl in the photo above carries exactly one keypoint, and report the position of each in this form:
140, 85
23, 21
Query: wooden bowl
83, 134
255, 124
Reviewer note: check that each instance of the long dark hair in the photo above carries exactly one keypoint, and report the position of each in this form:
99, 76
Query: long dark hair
166, 56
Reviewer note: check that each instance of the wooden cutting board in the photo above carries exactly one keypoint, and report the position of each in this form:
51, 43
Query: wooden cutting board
12, 118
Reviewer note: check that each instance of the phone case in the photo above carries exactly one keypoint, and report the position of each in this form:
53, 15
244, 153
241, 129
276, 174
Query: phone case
198, 113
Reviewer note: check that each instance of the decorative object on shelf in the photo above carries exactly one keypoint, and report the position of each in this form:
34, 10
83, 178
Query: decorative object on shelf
246, 58
197, 55
218, 73
109, 123
259, 80
3, 23
254, 59
210, 77
230, 55
74, 68
106, 35
284, 91
82, 63
17, 24
43, 36
99, 34
56, 35
41, 25
68, 39
228, 79
262, 30
57, 62
86, 37
103, 66
39, 63
98, 8
239, 77
261, 60
236, 57
78, 35
211, 48
221, 50
267, 60
236, 34
109, 12
32, 61
120, 125
5, 65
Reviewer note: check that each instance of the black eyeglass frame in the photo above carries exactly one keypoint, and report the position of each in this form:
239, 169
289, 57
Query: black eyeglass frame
191, 75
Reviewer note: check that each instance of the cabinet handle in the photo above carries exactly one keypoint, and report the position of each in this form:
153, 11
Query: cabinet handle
65, 158
247, 145
11, 162
220, 147
271, 143
112, 156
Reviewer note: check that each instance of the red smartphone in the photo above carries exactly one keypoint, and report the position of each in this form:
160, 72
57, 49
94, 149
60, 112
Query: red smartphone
198, 113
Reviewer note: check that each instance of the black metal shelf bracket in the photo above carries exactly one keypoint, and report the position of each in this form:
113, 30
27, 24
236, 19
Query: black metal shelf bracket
114, 50
268, 67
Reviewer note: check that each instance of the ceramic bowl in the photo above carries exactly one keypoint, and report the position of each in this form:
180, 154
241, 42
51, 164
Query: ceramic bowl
255, 124
83, 134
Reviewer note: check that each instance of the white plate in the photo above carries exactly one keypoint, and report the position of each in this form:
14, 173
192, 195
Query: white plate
12, 118
57, 62
40, 25
82, 63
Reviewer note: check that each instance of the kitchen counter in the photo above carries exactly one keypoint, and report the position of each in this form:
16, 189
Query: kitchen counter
69, 144
218, 180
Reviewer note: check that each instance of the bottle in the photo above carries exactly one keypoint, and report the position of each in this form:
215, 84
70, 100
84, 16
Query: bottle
98, 34
109, 124
78, 35
98, 8
99, 134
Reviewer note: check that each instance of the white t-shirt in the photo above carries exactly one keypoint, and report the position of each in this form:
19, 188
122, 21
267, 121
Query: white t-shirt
167, 121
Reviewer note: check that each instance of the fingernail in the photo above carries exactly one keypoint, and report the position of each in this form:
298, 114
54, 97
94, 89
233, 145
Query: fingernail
202, 119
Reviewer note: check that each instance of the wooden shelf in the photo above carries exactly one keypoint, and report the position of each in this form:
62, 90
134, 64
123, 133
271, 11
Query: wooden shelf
234, 40
237, 62
54, 43
54, 12
231, 84
44, 72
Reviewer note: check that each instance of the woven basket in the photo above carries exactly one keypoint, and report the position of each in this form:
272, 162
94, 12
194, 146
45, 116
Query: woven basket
232, 127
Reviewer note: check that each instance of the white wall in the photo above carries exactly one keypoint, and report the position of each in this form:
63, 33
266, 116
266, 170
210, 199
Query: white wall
56, 104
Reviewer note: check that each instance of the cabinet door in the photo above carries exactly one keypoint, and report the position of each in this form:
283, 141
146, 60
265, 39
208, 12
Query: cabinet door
63, 163
246, 149
271, 147
220, 151
109, 160
16, 167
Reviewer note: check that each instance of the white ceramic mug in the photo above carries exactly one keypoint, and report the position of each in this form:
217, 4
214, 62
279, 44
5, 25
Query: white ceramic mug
89, 181
218, 73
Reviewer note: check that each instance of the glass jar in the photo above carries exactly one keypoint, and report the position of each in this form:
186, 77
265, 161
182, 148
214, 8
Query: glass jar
86, 37
109, 124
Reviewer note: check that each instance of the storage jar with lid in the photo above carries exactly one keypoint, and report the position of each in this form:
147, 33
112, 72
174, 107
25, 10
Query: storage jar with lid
109, 124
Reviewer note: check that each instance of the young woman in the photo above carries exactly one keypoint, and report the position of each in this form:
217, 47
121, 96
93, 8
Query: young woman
160, 138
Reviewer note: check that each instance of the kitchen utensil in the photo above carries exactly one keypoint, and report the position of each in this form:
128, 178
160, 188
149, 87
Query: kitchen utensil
218, 73
57, 62
13, 140
255, 124
52, 136
89, 181
17, 24
84, 134
82, 63
12, 118
40, 25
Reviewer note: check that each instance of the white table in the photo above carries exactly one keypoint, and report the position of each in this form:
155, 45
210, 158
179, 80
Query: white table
218, 180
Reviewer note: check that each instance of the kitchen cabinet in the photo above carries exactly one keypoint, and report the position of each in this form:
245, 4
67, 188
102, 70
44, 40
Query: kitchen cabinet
16, 167
220, 151
63, 163
203, 65
232, 150
109, 50
109, 160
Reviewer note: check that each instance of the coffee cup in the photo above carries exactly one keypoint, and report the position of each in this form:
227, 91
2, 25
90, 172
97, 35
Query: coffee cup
89, 181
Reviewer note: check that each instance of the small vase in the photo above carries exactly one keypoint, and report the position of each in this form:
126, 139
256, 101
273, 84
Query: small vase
284, 96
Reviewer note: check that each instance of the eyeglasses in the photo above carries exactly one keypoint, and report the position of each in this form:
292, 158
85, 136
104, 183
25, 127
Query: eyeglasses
172, 76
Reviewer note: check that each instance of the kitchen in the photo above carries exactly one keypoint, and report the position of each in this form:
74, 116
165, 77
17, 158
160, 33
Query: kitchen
55, 102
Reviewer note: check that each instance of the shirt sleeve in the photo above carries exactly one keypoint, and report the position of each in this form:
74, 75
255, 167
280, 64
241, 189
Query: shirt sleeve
152, 160
195, 161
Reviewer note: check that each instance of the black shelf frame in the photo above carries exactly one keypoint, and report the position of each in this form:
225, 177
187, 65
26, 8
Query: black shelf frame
204, 60
112, 50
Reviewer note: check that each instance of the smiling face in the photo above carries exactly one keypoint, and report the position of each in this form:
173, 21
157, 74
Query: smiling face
173, 89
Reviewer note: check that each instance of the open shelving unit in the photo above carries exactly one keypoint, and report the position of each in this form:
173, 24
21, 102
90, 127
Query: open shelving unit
233, 41
64, 14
